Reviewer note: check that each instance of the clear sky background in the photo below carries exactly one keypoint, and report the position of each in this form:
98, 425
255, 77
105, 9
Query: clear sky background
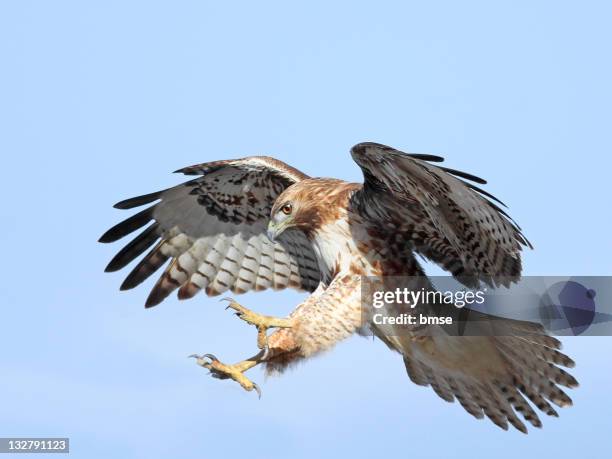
101, 100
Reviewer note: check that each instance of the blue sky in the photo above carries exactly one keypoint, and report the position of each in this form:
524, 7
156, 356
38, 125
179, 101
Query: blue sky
100, 101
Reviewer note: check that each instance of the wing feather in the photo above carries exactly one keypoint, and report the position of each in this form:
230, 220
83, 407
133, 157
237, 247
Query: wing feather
449, 220
212, 228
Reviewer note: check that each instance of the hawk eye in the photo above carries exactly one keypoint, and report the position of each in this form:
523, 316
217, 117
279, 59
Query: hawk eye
286, 209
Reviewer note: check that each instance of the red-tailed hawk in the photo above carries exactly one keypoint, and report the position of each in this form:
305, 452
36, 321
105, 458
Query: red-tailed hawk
257, 223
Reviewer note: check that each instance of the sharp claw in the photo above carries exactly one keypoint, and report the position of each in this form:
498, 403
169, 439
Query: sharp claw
201, 360
258, 390
266, 351
222, 371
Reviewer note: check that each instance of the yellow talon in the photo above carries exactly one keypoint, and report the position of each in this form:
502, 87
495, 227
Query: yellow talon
236, 372
258, 320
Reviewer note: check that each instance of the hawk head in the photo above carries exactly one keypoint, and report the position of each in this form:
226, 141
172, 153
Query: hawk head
308, 205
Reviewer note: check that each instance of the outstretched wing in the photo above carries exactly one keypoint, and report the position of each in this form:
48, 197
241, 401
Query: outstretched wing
213, 229
449, 219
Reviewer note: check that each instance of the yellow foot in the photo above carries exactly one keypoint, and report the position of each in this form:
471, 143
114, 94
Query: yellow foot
236, 372
260, 321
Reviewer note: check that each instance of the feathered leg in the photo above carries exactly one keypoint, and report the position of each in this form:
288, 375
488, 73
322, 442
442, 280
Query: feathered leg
263, 323
326, 317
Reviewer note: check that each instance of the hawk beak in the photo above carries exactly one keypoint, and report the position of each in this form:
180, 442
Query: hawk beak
276, 229
271, 232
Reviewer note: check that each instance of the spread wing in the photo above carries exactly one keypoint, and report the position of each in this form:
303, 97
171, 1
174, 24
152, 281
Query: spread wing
459, 226
213, 229
450, 220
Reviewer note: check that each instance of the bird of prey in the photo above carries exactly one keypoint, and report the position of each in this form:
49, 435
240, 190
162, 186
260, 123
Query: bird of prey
257, 223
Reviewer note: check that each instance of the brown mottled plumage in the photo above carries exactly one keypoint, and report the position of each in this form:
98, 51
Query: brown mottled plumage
257, 223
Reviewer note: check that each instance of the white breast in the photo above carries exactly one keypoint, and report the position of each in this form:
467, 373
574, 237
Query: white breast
335, 248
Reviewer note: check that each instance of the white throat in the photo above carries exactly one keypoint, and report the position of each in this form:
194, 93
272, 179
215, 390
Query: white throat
332, 246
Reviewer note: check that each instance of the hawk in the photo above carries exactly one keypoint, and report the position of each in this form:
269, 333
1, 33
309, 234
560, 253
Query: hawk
257, 223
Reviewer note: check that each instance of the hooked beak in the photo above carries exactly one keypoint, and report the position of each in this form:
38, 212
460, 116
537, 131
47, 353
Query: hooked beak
271, 232
274, 230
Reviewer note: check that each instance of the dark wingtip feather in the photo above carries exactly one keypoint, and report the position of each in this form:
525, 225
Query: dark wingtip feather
160, 291
125, 285
521, 428
145, 268
426, 157
154, 299
464, 175
484, 193
136, 247
138, 200
134, 279
127, 226
190, 170
360, 148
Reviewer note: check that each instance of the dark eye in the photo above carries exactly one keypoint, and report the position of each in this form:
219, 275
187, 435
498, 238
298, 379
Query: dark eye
286, 209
